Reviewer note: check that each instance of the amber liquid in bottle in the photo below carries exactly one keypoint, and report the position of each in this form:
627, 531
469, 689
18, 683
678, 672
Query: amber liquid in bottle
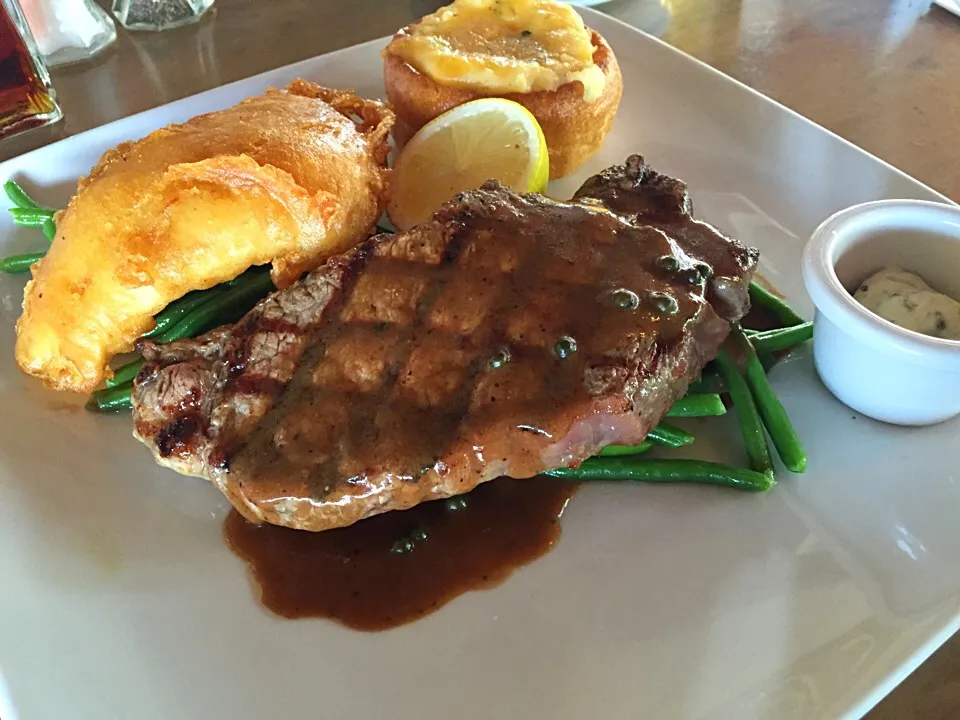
25, 99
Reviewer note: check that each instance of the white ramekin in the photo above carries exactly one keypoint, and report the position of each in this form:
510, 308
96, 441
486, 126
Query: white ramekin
873, 366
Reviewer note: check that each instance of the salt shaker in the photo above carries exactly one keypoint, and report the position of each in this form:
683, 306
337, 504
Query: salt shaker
69, 31
158, 14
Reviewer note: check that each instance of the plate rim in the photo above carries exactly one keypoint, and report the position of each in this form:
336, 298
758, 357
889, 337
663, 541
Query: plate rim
884, 684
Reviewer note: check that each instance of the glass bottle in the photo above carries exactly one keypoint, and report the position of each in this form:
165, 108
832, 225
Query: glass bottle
27, 98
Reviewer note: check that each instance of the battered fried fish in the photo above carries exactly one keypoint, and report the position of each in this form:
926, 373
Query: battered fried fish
289, 177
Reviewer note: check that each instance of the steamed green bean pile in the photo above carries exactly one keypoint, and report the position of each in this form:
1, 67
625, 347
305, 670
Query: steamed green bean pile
742, 379
28, 213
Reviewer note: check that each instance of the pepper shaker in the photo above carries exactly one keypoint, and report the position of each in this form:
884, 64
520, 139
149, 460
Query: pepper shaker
158, 14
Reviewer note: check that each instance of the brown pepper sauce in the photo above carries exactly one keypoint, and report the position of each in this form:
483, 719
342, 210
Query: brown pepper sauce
397, 567
355, 575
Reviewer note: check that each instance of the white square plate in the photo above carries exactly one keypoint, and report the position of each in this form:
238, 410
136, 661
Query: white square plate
119, 599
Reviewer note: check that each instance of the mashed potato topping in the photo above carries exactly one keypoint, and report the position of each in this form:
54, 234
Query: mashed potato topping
503, 46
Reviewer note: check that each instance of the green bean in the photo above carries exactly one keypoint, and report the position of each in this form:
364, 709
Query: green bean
668, 471
30, 217
239, 279
763, 297
49, 229
782, 338
751, 427
125, 373
670, 435
112, 399
178, 309
226, 307
19, 197
212, 308
13, 264
189, 316
774, 417
698, 405
615, 450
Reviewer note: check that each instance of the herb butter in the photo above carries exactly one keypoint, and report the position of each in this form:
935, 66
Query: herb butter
907, 300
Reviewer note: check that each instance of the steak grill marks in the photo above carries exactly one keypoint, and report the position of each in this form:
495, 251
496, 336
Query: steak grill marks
422, 363
418, 348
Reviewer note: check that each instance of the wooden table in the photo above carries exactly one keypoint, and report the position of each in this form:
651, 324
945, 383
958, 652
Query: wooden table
881, 73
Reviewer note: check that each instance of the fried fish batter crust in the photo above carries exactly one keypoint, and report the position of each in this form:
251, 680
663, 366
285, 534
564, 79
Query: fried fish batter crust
289, 177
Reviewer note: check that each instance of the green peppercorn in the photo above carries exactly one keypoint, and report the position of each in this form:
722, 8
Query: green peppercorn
499, 358
669, 263
625, 299
664, 303
458, 502
565, 347
402, 546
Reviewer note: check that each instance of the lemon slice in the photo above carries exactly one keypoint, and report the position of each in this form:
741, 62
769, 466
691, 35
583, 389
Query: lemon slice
478, 141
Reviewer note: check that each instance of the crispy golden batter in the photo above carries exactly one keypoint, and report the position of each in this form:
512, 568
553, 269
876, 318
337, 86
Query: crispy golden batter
286, 178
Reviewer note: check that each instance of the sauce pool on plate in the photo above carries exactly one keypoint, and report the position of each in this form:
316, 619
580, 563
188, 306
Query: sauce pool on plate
397, 567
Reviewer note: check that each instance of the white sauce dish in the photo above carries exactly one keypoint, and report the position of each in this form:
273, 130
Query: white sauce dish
873, 366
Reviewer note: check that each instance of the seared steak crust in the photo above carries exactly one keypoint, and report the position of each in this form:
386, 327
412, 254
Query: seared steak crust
508, 335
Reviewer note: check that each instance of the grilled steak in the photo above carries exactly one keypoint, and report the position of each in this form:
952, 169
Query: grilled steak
508, 335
